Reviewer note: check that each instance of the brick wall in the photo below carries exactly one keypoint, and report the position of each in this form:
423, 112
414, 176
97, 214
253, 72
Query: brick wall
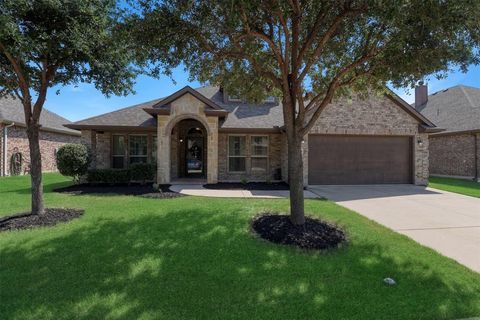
453, 155
376, 115
49, 143
274, 159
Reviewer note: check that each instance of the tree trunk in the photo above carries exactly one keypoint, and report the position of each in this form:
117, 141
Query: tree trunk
35, 167
295, 178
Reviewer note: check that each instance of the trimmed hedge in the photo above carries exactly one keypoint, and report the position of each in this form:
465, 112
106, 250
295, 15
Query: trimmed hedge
139, 172
73, 160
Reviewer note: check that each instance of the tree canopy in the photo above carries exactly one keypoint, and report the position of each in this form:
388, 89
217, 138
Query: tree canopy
44, 43
307, 51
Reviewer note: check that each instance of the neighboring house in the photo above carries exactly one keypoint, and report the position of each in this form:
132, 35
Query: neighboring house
456, 151
206, 133
13, 136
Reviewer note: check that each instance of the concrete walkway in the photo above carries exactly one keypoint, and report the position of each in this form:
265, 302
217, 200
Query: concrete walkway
446, 222
199, 190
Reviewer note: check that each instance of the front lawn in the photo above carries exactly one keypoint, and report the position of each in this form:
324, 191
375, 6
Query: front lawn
466, 187
194, 258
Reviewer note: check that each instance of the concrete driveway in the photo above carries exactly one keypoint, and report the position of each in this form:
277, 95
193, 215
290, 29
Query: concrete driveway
446, 222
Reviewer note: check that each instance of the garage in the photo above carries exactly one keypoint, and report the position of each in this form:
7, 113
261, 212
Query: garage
339, 159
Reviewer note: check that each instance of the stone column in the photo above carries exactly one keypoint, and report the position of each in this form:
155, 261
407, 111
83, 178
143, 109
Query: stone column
212, 152
163, 151
420, 161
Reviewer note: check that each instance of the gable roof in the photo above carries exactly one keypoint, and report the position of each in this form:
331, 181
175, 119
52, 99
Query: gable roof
455, 109
234, 115
11, 110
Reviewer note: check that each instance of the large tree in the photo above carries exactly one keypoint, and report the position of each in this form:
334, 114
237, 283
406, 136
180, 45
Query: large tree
44, 43
308, 52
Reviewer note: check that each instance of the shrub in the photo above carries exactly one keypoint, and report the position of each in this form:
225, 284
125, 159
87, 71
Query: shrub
110, 176
73, 160
142, 172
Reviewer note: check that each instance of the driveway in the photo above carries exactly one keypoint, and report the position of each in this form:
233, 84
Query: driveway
446, 222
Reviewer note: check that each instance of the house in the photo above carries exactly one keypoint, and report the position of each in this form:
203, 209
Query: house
207, 133
456, 151
13, 136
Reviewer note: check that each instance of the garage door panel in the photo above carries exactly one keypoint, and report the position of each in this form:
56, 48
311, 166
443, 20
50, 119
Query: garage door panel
359, 159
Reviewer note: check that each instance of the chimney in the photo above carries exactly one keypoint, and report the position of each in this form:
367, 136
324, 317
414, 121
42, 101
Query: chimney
421, 94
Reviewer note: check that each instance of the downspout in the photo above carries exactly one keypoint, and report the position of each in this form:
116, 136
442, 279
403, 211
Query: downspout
475, 136
5, 147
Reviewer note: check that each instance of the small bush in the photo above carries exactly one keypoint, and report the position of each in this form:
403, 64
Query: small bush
110, 176
142, 172
73, 160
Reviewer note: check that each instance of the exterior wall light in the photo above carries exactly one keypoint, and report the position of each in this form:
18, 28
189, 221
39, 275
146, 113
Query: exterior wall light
420, 142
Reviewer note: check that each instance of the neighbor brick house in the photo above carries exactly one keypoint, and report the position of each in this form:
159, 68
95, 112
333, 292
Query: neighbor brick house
13, 136
455, 151
207, 133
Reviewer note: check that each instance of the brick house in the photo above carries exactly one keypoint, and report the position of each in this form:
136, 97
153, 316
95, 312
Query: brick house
208, 134
13, 136
455, 151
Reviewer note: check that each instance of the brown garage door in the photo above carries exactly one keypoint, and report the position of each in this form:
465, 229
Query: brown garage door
339, 159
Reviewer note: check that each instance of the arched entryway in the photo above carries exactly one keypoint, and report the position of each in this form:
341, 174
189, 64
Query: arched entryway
188, 150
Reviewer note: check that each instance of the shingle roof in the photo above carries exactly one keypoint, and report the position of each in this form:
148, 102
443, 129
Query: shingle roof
11, 110
240, 114
455, 109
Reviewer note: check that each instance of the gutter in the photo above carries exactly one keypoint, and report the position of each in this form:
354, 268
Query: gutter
5, 147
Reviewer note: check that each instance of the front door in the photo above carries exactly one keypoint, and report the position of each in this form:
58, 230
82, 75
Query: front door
194, 156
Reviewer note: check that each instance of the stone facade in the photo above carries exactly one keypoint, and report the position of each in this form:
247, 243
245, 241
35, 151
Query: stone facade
186, 107
49, 144
376, 115
454, 154
274, 162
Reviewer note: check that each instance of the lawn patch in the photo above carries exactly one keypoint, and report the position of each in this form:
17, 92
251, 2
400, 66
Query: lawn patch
27, 220
133, 189
315, 234
462, 186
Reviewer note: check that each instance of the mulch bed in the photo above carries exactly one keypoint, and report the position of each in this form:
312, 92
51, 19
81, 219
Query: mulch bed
27, 220
143, 190
248, 186
315, 234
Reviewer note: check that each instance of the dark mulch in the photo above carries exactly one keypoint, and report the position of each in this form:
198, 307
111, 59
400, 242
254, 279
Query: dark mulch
27, 220
144, 190
248, 186
315, 234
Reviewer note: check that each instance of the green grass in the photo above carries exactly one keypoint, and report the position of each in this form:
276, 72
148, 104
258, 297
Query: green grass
466, 187
194, 258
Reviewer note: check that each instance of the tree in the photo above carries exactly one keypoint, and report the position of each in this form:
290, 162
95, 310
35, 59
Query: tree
44, 43
308, 52
73, 160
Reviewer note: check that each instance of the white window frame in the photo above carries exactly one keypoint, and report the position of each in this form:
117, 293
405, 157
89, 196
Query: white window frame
229, 156
136, 156
124, 149
252, 155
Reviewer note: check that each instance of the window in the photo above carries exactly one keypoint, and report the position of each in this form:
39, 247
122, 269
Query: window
270, 99
138, 149
234, 98
154, 149
118, 151
259, 156
236, 153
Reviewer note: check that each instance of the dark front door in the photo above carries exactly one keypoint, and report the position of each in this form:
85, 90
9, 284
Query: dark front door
194, 154
337, 159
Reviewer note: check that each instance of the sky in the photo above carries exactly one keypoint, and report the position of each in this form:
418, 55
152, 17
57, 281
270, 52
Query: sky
84, 101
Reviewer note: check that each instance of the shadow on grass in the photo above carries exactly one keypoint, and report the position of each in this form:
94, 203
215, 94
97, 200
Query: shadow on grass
198, 265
